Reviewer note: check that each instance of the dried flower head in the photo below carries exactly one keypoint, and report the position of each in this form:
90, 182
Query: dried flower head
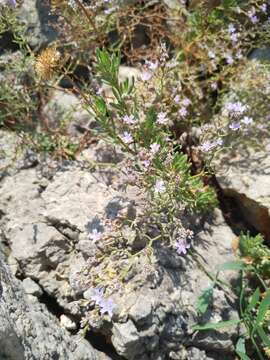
47, 62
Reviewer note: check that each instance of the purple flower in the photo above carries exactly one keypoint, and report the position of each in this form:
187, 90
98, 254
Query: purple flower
146, 75
154, 148
207, 146
162, 118
263, 7
160, 186
247, 120
177, 98
182, 246
126, 137
252, 15
152, 65
229, 59
183, 111
146, 163
95, 235
234, 37
186, 102
236, 108
235, 126
97, 295
254, 19
107, 306
214, 85
129, 119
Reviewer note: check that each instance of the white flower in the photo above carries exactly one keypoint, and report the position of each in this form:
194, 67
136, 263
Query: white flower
160, 186
126, 137
146, 75
211, 54
183, 111
162, 118
129, 119
247, 120
154, 148
95, 235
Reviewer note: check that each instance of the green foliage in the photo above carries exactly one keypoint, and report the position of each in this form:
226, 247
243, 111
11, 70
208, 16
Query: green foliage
253, 306
204, 300
253, 247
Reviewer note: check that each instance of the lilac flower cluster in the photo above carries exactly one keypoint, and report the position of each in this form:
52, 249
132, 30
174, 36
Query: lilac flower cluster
235, 108
106, 305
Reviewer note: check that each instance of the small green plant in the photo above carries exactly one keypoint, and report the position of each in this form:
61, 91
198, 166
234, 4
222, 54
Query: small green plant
144, 132
253, 306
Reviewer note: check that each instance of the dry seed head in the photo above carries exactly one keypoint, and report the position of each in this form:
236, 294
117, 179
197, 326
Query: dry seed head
47, 63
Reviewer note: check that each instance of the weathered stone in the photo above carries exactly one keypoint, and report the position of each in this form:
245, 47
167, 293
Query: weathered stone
28, 331
156, 306
66, 108
126, 340
142, 310
35, 15
67, 323
31, 288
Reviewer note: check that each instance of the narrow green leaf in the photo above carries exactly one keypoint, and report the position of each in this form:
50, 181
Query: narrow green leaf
242, 355
254, 300
232, 265
216, 326
240, 345
264, 337
204, 300
264, 306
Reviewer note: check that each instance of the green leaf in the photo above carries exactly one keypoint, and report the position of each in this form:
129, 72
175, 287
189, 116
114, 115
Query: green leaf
232, 265
216, 326
240, 345
264, 306
100, 105
242, 355
264, 337
240, 349
254, 300
204, 300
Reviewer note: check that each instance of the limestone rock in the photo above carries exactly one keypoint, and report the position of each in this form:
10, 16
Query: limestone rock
31, 288
28, 331
35, 15
126, 340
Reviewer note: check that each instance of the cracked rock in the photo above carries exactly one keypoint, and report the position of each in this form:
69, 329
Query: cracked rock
126, 340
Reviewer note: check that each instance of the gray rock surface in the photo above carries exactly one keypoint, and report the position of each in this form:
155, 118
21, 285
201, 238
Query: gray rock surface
31, 288
35, 15
49, 230
242, 170
28, 331
65, 109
